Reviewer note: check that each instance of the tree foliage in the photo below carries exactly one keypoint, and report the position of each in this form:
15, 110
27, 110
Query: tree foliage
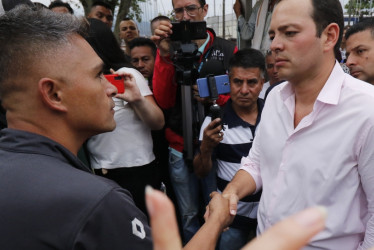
359, 7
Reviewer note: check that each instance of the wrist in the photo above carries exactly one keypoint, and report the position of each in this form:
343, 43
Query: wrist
204, 150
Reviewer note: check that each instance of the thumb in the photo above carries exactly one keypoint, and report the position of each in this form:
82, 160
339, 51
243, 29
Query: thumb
164, 226
292, 233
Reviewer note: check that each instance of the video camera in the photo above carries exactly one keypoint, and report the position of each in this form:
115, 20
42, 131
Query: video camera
186, 31
186, 57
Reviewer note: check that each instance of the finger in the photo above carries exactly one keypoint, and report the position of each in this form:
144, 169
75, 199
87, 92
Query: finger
233, 202
214, 193
163, 221
213, 124
206, 214
292, 233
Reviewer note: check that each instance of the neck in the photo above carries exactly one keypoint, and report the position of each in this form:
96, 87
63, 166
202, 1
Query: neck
307, 89
200, 42
127, 49
52, 130
248, 114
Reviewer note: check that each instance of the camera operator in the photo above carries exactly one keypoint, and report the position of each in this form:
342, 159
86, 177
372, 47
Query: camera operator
168, 97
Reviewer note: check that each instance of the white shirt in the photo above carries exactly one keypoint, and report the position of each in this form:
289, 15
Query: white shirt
130, 143
328, 160
263, 91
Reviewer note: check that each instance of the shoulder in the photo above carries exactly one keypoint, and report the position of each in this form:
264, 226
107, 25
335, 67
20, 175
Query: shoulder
114, 223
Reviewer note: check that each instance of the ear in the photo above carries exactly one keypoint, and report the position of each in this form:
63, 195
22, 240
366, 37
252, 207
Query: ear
51, 93
331, 36
205, 9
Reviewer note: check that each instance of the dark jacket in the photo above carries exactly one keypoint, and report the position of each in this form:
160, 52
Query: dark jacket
50, 200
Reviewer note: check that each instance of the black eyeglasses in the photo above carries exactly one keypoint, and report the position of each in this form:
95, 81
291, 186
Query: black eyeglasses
191, 10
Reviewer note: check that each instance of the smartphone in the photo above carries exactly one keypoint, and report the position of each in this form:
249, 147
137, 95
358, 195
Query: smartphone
186, 31
117, 81
222, 84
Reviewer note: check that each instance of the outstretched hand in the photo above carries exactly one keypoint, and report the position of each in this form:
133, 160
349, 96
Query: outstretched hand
291, 233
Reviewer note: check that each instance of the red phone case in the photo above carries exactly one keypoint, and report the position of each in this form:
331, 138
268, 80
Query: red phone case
117, 81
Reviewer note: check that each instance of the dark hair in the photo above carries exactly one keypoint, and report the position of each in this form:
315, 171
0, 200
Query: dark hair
142, 41
104, 43
59, 3
361, 26
101, 3
326, 12
248, 58
201, 2
160, 18
127, 19
27, 36
10, 4
39, 5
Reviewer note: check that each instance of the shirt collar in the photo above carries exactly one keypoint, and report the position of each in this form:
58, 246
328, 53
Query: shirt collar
202, 47
330, 93
233, 120
27, 142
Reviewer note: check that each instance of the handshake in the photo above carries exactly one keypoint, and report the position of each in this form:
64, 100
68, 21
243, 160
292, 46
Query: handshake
292, 233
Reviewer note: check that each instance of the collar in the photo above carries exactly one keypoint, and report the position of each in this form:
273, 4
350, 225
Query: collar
30, 143
330, 93
233, 120
202, 47
211, 38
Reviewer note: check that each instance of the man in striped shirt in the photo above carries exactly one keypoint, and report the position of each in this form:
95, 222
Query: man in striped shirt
225, 148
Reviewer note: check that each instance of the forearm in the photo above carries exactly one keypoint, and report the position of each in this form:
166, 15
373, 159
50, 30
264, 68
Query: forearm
207, 236
246, 29
202, 163
241, 185
148, 111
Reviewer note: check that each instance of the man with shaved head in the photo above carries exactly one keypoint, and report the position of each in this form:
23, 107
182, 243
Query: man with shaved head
56, 97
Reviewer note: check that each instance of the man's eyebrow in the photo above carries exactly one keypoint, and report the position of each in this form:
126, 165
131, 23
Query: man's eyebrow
98, 67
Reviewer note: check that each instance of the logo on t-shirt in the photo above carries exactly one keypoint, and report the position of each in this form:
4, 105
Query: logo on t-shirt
138, 228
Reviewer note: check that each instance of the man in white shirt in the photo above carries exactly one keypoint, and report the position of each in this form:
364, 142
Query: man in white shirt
314, 145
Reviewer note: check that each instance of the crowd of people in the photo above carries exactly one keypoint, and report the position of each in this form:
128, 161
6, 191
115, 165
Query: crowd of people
84, 166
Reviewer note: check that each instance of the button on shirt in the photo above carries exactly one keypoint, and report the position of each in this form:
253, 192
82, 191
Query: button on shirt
328, 160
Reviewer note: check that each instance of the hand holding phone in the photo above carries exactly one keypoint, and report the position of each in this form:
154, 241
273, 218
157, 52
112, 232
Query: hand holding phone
216, 112
117, 81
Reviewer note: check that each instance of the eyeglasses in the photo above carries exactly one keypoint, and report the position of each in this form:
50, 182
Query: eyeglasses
191, 10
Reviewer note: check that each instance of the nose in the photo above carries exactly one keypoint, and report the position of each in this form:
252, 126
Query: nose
276, 44
186, 17
245, 89
350, 61
111, 90
140, 64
